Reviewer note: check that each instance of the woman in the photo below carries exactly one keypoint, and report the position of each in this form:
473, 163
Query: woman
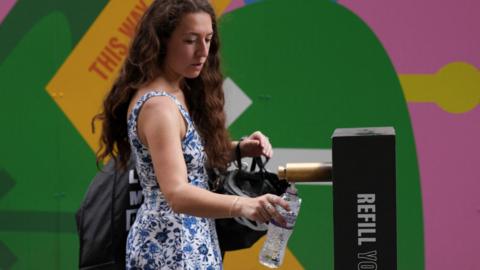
166, 108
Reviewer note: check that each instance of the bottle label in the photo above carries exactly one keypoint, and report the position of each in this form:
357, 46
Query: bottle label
290, 218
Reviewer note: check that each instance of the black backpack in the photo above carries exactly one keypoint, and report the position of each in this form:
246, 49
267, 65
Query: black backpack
105, 215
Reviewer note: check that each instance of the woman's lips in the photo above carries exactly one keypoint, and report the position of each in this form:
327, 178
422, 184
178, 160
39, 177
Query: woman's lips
197, 65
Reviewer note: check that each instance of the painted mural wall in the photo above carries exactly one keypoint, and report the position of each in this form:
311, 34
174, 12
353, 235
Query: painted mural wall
295, 70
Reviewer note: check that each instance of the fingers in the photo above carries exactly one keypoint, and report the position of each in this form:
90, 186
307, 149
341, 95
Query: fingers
266, 147
258, 211
274, 214
276, 200
264, 209
264, 212
269, 205
264, 143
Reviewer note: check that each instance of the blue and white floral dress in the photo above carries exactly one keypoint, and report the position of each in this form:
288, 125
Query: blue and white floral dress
161, 238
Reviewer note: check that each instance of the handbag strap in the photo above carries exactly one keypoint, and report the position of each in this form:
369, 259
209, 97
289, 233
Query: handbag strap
238, 154
258, 161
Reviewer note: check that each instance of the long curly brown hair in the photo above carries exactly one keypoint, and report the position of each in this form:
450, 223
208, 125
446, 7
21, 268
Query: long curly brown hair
204, 94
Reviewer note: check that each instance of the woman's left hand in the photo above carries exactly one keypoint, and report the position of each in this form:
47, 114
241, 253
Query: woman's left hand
256, 145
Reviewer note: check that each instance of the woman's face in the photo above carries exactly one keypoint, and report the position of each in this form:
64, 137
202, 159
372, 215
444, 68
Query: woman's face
188, 46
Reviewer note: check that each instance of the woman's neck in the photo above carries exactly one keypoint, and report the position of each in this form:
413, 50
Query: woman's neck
163, 84
170, 79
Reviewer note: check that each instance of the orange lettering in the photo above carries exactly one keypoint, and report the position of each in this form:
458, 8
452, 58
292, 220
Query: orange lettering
128, 26
93, 67
106, 61
121, 48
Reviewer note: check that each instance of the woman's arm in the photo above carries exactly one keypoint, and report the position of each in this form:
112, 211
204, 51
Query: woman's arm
160, 123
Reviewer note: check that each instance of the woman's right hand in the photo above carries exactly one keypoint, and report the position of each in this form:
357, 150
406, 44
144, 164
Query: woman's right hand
262, 209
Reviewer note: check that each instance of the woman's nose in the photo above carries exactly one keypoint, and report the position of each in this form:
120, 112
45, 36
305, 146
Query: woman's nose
203, 48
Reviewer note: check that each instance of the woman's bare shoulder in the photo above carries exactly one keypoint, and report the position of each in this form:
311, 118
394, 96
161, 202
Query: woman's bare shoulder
161, 108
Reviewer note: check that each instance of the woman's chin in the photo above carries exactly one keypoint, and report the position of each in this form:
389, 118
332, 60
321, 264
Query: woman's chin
192, 75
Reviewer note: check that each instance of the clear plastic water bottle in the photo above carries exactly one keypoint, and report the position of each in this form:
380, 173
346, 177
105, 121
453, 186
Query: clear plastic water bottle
274, 247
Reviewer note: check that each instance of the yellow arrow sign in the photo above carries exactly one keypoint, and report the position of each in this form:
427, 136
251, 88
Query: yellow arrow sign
247, 259
81, 83
455, 88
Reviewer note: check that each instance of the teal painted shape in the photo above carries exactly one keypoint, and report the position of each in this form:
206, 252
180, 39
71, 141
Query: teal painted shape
49, 160
322, 68
26, 13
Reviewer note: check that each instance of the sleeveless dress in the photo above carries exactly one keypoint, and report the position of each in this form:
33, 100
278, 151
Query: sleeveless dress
159, 237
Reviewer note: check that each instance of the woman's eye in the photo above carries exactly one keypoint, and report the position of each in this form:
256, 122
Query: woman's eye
208, 40
190, 41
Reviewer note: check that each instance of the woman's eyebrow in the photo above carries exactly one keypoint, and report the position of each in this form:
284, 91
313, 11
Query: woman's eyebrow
197, 34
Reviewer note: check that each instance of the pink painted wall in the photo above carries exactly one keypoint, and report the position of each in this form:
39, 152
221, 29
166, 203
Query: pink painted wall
447, 149
420, 38
5, 7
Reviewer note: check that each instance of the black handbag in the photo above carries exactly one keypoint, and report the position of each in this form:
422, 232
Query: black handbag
239, 233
